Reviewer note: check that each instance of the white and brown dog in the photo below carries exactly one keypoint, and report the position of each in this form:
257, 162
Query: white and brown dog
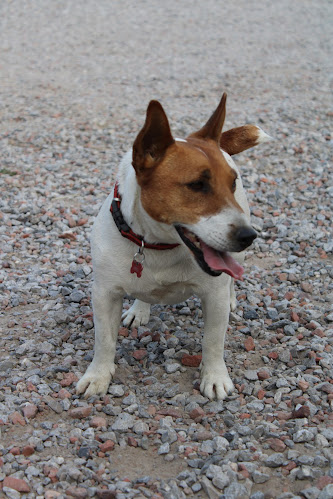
176, 225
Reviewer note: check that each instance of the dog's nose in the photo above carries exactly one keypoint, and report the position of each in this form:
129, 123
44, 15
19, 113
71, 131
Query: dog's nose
245, 236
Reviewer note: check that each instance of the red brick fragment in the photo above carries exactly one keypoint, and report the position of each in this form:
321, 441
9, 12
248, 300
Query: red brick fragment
64, 394
132, 442
323, 481
15, 451
80, 412
169, 412
197, 414
30, 411
77, 492
17, 418
68, 379
249, 344
140, 354
191, 360
28, 450
107, 446
261, 394
263, 374
98, 422
276, 444
302, 412
16, 483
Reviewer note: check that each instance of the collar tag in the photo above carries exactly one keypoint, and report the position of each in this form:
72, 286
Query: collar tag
137, 263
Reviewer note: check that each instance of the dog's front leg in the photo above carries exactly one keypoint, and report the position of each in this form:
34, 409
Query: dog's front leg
107, 308
215, 380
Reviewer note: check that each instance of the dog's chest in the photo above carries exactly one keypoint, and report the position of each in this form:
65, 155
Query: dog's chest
165, 286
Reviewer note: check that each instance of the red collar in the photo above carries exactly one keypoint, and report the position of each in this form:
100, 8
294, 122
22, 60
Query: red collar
126, 231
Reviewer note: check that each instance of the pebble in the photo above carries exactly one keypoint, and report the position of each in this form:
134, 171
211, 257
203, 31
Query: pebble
62, 138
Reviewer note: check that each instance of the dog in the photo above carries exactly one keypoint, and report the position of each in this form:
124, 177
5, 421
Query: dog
177, 224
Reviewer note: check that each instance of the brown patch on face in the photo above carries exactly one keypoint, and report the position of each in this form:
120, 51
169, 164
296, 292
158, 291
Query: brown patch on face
239, 139
167, 192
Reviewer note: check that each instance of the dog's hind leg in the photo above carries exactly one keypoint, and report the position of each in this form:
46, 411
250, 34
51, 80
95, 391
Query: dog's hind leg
137, 315
107, 308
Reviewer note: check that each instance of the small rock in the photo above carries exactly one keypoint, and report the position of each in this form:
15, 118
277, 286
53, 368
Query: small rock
98, 422
191, 360
30, 411
259, 477
275, 460
249, 344
17, 418
164, 448
80, 412
123, 422
16, 484
251, 375
116, 390
277, 445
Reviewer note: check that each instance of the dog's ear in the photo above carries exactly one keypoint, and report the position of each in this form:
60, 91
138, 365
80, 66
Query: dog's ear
213, 128
239, 139
153, 140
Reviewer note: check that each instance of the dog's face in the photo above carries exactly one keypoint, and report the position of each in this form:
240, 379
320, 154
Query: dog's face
191, 184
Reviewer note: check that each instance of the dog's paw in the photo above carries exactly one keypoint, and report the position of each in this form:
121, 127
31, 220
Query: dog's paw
137, 315
216, 384
94, 382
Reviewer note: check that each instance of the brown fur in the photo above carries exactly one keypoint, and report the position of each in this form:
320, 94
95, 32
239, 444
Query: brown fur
164, 171
239, 139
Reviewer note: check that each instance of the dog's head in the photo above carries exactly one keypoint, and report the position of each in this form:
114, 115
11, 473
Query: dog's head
191, 184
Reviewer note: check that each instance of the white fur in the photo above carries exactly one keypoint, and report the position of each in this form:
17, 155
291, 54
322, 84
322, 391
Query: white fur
169, 276
263, 136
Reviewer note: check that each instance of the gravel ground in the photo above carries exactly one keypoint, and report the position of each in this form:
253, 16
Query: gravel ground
75, 81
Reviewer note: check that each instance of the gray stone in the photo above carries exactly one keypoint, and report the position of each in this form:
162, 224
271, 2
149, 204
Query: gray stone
259, 477
236, 491
275, 460
207, 446
172, 368
257, 495
303, 435
123, 422
327, 492
221, 444
211, 491
116, 390
140, 427
54, 405
164, 448
11, 493
311, 493
76, 296
130, 399
220, 480
251, 375
6, 364
327, 433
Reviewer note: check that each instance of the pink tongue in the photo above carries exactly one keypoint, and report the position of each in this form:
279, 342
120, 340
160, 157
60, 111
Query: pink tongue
221, 261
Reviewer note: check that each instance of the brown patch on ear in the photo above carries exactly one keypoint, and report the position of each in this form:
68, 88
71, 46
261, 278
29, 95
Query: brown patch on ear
153, 140
241, 138
213, 128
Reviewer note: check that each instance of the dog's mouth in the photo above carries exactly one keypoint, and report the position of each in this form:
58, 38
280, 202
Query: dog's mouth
213, 262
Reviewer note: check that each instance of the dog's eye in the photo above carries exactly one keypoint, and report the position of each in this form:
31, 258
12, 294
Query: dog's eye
233, 187
199, 186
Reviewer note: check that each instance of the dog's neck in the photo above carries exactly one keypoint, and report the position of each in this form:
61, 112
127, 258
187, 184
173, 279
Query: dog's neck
134, 213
